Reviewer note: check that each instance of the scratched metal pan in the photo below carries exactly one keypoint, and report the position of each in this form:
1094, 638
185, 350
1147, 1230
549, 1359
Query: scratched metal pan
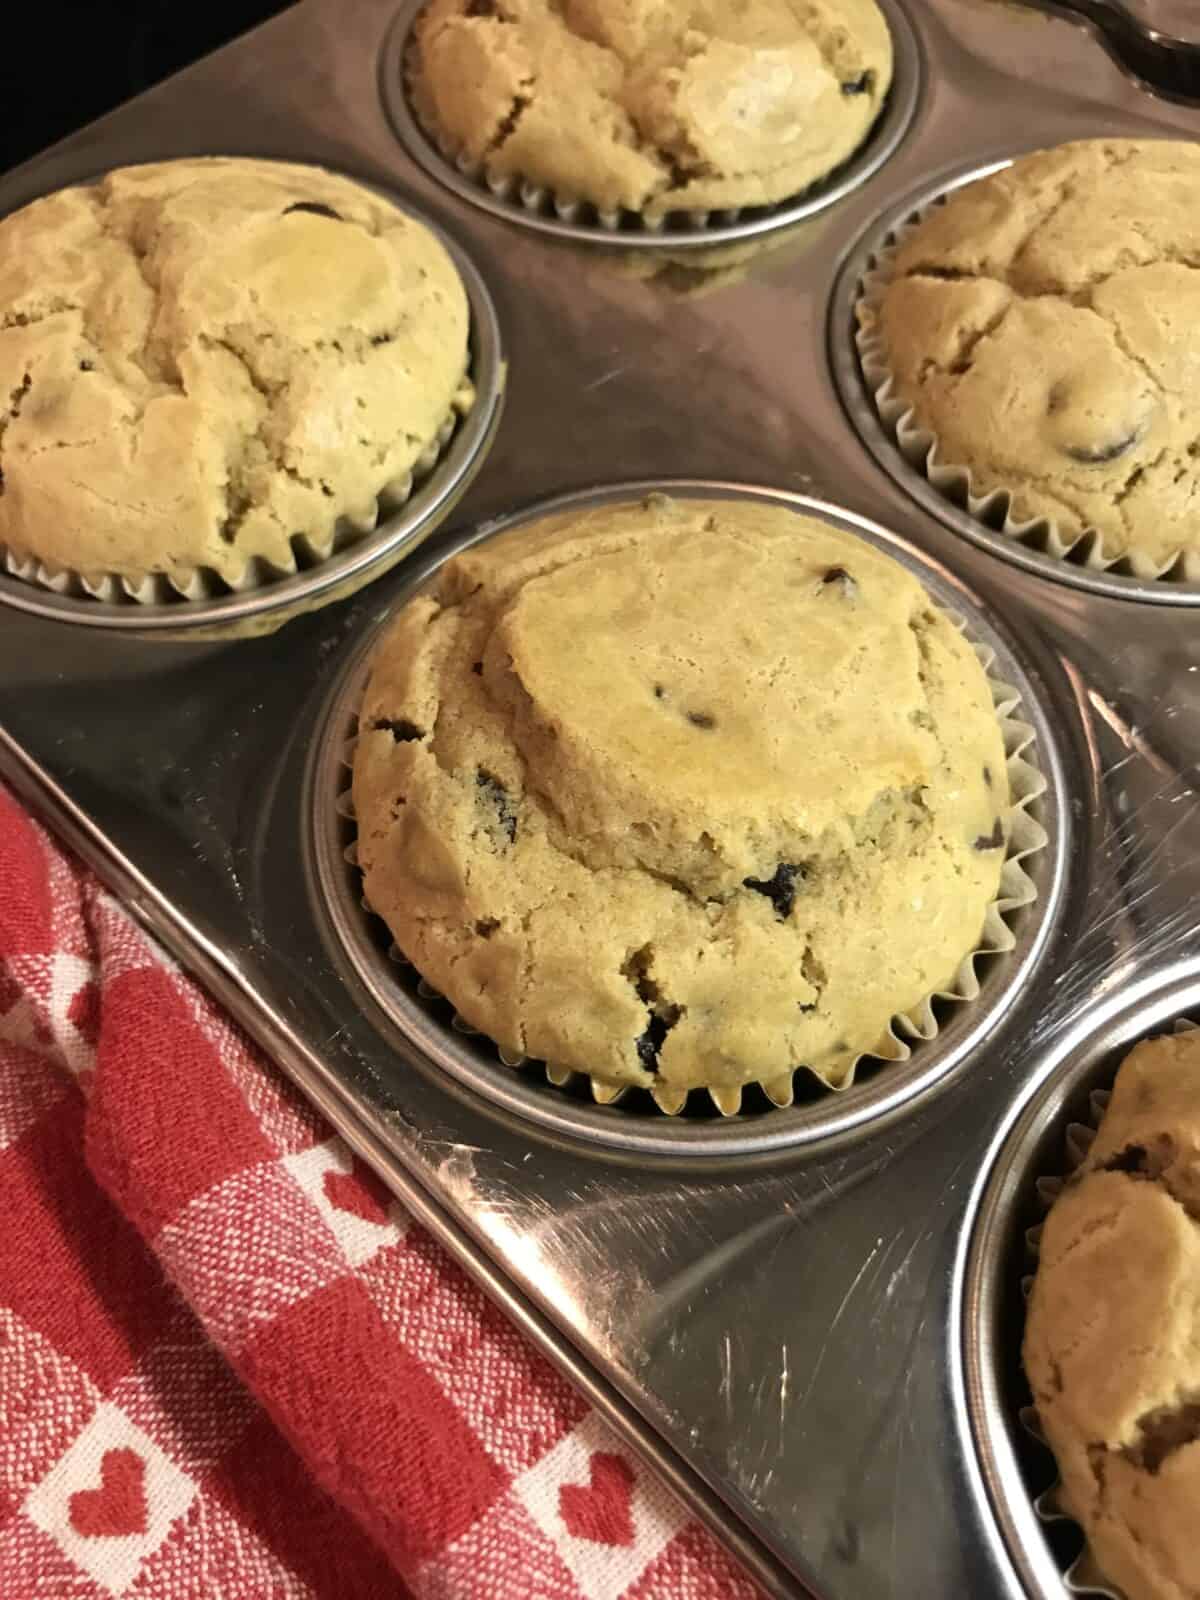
771, 1330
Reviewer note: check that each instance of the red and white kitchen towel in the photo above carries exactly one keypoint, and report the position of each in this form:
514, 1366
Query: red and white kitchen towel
230, 1365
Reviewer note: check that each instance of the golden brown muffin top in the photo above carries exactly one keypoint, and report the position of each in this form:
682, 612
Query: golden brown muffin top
1041, 323
653, 105
680, 792
207, 358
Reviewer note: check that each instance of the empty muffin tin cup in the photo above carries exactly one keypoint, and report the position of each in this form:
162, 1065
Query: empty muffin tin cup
535, 206
914, 456
920, 1048
1017, 1479
197, 603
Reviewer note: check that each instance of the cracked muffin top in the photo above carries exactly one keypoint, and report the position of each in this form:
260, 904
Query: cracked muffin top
1112, 1343
680, 793
1042, 323
203, 359
653, 105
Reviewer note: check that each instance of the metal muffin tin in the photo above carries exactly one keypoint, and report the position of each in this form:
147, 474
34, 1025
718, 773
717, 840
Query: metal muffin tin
568, 218
772, 1329
991, 1391
355, 561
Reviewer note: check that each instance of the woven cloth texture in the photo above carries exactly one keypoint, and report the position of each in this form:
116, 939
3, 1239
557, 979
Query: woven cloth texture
231, 1365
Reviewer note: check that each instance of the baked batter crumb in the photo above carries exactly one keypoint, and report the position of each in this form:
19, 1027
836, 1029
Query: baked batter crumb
686, 796
1041, 325
1112, 1342
653, 106
205, 360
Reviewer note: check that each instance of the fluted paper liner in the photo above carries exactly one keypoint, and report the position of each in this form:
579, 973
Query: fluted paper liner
177, 587
1084, 1576
922, 449
1025, 836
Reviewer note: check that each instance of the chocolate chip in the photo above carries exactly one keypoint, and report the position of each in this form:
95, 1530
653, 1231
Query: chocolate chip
1061, 398
1131, 1159
486, 927
838, 579
991, 841
383, 338
1097, 455
314, 209
701, 719
1162, 1433
86, 366
477, 668
403, 731
498, 797
650, 1043
860, 85
659, 692
657, 1029
779, 888
1149, 1160
987, 775
481, 8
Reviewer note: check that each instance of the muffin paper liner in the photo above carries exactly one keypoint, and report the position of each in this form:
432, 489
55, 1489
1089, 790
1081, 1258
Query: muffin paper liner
541, 200
202, 583
1084, 1576
1025, 836
922, 448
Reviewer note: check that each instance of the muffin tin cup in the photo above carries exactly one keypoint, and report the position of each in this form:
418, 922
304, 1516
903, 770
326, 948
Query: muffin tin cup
920, 1049
1084, 1575
538, 206
913, 454
994, 1275
197, 602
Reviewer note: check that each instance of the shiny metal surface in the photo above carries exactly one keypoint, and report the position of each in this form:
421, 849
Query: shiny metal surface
1156, 41
989, 1386
566, 219
360, 561
881, 1091
860, 406
774, 1332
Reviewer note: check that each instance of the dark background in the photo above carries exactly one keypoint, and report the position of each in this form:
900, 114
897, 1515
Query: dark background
74, 62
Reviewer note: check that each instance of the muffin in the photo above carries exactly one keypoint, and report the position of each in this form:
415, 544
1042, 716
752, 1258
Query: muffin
647, 106
1040, 325
208, 359
680, 794
1112, 1343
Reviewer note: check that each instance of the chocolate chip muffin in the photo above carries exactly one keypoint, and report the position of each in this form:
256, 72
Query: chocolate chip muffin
652, 107
205, 360
680, 793
1041, 325
1112, 1344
